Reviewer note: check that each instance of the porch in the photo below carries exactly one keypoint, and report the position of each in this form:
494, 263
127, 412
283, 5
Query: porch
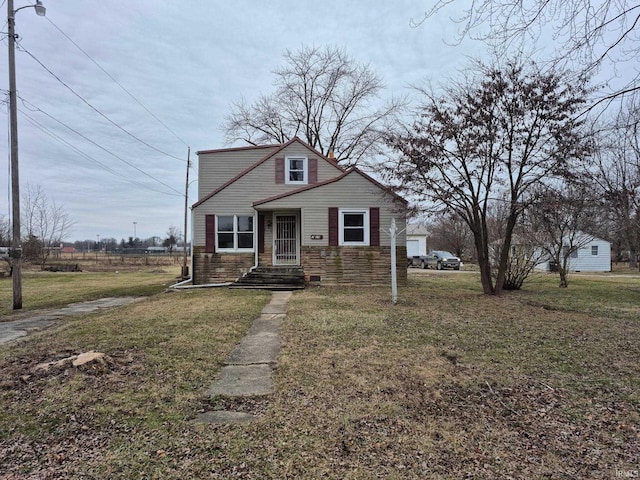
279, 239
272, 278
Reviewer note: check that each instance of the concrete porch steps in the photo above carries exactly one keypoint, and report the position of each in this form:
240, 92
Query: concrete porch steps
272, 278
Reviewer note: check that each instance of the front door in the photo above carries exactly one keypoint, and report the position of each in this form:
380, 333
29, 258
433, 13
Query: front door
285, 240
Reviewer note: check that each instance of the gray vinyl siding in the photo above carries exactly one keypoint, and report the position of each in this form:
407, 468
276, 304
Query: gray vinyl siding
353, 191
216, 168
256, 185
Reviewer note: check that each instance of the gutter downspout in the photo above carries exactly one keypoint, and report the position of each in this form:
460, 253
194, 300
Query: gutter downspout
180, 286
177, 285
255, 241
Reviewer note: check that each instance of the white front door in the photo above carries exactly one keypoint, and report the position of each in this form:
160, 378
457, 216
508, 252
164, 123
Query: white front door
286, 245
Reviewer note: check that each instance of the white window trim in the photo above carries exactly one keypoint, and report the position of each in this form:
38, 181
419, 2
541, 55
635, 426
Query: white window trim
341, 214
235, 235
305, 167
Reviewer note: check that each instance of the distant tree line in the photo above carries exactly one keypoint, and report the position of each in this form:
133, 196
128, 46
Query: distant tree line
170, 243
45, 225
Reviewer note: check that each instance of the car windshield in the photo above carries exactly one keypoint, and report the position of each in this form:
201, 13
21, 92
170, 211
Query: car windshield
444, 254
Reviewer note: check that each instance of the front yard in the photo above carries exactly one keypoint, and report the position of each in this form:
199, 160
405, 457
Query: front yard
449, 383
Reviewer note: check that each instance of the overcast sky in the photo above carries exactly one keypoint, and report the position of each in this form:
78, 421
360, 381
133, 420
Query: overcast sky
186, 62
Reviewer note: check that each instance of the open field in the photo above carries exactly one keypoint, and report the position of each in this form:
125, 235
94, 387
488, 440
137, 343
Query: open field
448, 384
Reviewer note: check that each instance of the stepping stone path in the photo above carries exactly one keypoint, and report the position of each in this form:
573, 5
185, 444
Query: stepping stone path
248, 370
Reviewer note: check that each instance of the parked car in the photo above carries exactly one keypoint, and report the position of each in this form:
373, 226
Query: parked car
440, 259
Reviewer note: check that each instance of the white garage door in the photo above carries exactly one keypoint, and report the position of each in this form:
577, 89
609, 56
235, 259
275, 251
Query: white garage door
413, 248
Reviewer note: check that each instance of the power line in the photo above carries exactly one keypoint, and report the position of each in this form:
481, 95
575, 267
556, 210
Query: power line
36, 109
117, 83
94, 108
85, 155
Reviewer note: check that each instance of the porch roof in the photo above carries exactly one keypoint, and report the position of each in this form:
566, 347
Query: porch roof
264, 203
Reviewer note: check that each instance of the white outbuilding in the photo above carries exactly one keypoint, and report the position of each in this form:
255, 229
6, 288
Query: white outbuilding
594, 255
416, 240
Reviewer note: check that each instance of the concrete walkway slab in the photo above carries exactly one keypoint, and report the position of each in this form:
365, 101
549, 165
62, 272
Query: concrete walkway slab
249, 368
224, 417
20, 324
255, 349
267, 322
243, 381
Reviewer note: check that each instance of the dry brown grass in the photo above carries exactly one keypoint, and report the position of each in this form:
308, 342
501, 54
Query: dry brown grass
447, 384
48, 289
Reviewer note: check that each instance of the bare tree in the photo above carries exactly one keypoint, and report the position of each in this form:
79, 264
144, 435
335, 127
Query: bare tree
493, 138
46, 224
586, 34
173, 235
617, 176
559, 222
5, 231
524, 256
450, 232
5, 241
324, 97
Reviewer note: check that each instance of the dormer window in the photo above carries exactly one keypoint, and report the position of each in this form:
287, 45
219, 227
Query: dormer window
296, 170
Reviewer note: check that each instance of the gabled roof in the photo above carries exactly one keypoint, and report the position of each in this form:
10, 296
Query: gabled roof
350, 171
259, 162
417, 229
237, 149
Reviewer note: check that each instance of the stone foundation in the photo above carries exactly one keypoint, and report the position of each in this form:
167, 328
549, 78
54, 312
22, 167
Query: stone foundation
219, 267
353, 265
322, 265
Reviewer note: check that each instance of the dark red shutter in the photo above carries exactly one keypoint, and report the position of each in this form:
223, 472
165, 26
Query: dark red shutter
313, 171
374, 226
333, 226
210, 233
280, 170
261, 232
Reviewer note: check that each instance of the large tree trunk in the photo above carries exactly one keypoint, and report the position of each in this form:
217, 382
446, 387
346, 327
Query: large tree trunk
484, 262
504, 253
563, 270
485, 277
564, 283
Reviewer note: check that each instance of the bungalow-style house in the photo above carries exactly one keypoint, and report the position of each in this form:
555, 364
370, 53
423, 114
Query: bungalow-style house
594, 255
288, 208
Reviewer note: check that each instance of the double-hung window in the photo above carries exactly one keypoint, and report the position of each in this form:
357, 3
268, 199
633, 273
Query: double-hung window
234, 233
296, 170
353, 227
594, 250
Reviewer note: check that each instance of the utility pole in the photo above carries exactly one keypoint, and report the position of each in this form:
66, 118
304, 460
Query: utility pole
16, 247
185, 268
